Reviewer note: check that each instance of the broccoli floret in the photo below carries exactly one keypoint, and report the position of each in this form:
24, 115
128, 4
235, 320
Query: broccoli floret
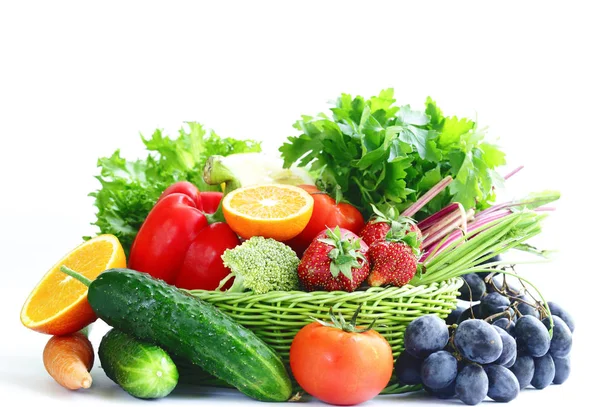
261, 265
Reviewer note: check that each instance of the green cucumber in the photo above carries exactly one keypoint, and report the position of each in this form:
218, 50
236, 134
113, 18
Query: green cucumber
143, 370
188, 328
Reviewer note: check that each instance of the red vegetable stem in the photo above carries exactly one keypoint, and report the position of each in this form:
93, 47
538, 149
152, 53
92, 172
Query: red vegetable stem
428, 196
433, 219
520, 202
471, 227
545, 209
513, 172
457, 220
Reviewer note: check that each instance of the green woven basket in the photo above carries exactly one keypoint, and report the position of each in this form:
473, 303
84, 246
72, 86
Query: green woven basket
276, 317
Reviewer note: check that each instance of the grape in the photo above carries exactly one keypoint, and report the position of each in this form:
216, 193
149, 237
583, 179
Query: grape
452, 318
526, 309
511, 362
562, 369
523, 369
473, 288
505, 324
503, 385
557, 310
494, 303
544, 371
532, 336
509, 348
478, 341
471, 385
408, 369
445, 393
562, 339
470, 313
439, 370
425, 335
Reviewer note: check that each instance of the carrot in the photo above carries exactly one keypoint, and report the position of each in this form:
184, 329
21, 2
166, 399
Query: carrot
68, 359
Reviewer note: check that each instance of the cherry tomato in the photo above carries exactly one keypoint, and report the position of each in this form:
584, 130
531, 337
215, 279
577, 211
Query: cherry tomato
326, 214
340, 367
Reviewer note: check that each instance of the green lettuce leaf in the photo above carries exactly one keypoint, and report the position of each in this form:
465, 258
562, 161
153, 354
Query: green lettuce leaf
130, 188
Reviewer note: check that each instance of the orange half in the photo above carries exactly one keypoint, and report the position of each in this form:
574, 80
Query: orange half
277, 211
58, 304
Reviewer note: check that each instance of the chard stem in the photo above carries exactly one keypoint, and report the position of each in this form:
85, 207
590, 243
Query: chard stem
435, 218
428, 196
513, 172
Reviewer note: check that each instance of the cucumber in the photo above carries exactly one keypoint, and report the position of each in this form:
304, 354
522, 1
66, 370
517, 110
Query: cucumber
188, 328
143, 370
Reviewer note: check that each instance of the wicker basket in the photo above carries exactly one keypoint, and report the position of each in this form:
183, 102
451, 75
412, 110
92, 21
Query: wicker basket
276, 317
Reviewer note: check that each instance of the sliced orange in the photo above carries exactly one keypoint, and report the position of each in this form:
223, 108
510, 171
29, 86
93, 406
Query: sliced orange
58, 304
277, 211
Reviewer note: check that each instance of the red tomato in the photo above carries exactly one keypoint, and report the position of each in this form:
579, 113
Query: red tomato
339, 367
326, 214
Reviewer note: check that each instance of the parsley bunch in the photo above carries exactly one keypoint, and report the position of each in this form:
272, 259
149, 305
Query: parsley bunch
371, 151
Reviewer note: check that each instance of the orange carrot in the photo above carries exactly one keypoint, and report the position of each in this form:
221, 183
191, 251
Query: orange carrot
68, 359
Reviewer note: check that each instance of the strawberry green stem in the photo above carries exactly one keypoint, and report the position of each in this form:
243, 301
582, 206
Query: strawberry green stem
79, 277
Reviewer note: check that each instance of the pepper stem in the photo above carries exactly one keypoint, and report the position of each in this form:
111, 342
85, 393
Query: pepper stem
216, 217
79, 277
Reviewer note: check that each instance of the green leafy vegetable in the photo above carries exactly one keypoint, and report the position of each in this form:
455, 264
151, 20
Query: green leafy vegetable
129, 189
372, 151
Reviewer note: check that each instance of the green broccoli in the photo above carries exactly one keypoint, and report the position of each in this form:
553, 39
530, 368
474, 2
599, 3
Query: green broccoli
261, 265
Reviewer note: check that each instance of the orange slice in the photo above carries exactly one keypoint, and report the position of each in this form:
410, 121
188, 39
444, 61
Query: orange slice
277, 211
58, 304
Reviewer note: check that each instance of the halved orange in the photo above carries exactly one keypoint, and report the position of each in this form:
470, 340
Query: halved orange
277, 211
58, 304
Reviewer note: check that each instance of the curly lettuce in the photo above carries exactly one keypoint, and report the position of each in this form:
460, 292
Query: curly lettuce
130, 188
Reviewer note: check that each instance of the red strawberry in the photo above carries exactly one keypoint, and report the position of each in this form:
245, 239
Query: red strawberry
392, 263
374, 231
335, 260
380, 224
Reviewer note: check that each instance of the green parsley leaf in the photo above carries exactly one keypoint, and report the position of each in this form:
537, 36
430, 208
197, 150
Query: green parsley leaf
374, 152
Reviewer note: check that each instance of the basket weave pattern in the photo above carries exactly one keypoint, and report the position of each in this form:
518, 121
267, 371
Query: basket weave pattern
276, 317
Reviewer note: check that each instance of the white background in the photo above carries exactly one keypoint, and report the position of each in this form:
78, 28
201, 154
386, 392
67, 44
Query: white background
81, 79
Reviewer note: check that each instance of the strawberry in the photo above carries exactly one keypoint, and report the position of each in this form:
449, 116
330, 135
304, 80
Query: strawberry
380, 224
374, 231
394, 260
335, 260
392, 263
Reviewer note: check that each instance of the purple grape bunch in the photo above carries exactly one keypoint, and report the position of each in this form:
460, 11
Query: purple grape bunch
493, 348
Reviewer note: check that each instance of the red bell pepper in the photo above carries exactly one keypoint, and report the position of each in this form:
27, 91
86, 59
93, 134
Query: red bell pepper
177, 244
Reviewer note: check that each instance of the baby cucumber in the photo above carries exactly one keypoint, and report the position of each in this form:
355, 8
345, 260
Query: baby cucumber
188, 328
143, 370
